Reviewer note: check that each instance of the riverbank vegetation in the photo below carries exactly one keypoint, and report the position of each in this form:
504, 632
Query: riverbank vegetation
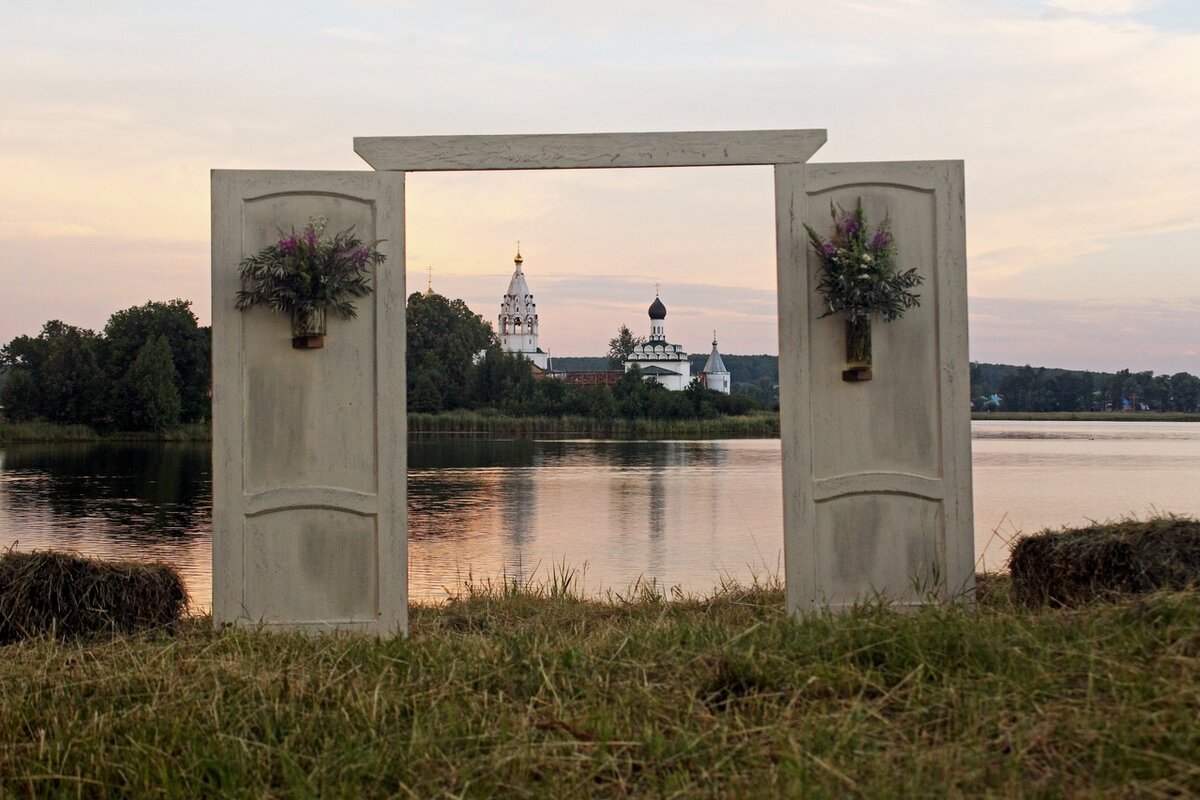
148, 370
763, 424
512, 690
21, 432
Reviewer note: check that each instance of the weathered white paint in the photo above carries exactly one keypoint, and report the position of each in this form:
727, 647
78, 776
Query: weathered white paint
589, 150
309, 498
877, 474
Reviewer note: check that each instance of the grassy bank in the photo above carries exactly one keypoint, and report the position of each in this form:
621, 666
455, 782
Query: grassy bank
524, 692
14, 432
765, 424
1088, 416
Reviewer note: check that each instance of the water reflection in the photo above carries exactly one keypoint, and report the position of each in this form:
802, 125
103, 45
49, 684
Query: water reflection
683, 512
135, 500
134, 489
625, 510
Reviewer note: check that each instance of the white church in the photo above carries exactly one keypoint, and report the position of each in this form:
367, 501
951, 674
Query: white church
658, 360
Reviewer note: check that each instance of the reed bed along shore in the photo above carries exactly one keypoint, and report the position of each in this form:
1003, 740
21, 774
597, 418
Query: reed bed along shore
530, 691
21, 432
761, 425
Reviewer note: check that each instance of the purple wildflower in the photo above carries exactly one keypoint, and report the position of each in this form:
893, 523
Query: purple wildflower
827, 250
882, 239
852, 226
288, 246
310, 237
359, 258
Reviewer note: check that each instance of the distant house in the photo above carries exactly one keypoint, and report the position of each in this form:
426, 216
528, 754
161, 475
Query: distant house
605, 377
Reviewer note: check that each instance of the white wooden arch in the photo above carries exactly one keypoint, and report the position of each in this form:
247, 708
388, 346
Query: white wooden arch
309, 447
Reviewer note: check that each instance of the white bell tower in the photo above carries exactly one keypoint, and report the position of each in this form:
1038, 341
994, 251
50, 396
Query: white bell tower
518, 321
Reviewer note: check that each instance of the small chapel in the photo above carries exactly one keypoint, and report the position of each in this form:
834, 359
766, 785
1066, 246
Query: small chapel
662, 362
659, 360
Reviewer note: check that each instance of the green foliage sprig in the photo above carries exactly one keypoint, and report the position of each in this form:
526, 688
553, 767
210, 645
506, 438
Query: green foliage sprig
858, 275
310, 269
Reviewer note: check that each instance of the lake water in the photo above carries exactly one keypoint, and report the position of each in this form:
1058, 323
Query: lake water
686, 513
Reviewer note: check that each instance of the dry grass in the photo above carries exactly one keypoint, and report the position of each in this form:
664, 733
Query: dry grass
528, 691
1078, 565
63, 595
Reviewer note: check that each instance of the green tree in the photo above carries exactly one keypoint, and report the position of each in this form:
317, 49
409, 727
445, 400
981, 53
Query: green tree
1028, 389
702, 400
424, 392
147, 397
74, 388
128, 331
502, 380
1185, 392
621, 345
633, 394
1072, 391
444, 339
600, 403
65, 383
1158, 393
20, 398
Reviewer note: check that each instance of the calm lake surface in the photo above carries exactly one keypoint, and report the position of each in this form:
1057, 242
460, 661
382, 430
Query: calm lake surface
685, 513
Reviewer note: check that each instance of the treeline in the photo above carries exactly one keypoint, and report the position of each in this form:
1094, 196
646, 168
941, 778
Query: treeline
455, 362
1009, 388
148, 370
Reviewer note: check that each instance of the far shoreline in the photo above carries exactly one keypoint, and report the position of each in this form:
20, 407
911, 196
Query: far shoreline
1086, 416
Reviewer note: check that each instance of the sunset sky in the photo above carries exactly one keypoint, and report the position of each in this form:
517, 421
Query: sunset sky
1078, 120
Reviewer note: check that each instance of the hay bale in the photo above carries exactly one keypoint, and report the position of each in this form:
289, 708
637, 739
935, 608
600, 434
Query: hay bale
66, 595
1075, 565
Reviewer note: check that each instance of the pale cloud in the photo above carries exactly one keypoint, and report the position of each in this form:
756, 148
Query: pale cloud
351, 34
43, 228
1099, 7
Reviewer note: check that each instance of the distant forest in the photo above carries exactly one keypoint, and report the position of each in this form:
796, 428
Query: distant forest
996, 387
1005, 387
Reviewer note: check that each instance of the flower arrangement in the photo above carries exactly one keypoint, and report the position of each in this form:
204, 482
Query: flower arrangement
307, 274
859, 277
